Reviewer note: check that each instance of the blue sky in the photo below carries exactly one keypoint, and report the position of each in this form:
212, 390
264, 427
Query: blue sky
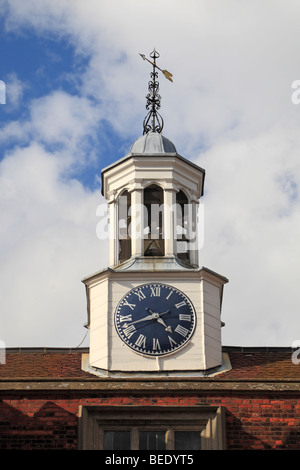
75, 102
36, 65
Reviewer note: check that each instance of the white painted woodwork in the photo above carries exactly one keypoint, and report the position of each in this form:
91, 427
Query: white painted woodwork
108, 352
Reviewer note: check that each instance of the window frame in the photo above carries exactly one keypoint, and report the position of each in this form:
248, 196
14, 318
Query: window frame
208, 420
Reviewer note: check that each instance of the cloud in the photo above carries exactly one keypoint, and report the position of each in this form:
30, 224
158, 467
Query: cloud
48, 244
61, 118
61, 121
229, 109
14, 91
252, 229
227, 79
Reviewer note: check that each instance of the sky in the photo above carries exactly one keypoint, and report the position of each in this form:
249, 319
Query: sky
75, 88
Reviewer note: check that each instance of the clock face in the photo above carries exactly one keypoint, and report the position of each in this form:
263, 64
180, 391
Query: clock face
155, 319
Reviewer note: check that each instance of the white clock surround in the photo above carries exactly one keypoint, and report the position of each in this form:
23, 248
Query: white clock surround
108, 353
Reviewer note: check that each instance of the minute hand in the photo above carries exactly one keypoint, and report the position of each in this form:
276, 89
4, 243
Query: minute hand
148, 317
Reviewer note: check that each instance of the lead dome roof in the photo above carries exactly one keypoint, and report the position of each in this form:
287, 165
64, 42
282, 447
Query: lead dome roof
152, 143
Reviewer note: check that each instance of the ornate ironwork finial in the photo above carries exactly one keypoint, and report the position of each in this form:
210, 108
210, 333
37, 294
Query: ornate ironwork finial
153, 120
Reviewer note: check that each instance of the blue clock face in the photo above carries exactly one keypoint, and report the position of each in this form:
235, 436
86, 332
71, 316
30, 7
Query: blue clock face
155, 319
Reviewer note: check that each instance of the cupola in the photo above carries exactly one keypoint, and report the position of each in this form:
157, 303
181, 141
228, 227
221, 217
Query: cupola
153, 195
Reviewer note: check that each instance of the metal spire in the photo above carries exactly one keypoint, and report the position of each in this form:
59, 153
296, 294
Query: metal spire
153, 120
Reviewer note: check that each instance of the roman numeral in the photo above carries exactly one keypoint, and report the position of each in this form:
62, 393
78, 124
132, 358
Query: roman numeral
181, 304
141, 341
155, 291
140, 294
156, 344
169, 295
172, 341
181, 330
129, 331
185, 317
128, 304
125, 318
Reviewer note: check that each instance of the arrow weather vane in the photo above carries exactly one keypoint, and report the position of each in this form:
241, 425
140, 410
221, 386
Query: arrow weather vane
167, 74
153, 121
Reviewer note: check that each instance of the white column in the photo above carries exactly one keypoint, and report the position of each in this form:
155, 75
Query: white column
113, 232
137, 223
193, 233
169, 221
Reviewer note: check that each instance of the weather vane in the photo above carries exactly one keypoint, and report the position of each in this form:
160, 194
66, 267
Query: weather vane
153, 121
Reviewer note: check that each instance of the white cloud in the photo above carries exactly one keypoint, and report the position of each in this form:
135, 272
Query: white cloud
58, 119
14, 91
252, 229
48, 244
64, 119
229, 108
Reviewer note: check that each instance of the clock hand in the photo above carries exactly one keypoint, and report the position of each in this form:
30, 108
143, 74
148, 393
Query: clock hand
156, 316
152, 316
167, 328
148, 317
163, 313
149, 310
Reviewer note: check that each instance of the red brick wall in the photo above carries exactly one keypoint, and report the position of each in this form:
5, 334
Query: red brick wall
51, 421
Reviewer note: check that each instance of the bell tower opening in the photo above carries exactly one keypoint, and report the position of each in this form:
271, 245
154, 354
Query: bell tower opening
153, 221
124, 223
182, 227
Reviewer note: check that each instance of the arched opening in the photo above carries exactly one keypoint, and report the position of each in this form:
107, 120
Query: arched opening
182, 226
124, 221
153, 221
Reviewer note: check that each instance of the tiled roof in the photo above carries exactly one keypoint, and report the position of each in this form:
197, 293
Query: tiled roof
247, 364
41, 363
262, 364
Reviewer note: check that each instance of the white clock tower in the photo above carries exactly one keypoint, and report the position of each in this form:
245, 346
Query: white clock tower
154, 310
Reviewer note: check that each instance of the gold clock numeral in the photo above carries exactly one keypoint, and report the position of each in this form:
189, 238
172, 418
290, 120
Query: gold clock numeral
141, 341
129, 331
124, 318
140, 294
172, 341
169, 295
185, 317
129, 305
156, 344
155, 291
181, 330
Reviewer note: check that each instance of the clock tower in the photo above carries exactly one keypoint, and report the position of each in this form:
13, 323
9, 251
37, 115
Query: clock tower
154, 310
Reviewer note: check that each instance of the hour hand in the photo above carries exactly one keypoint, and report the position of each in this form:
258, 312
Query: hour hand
156, 316
167, 328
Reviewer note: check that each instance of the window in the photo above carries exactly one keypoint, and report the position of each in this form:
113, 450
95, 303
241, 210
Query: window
153, 221
152, 440
187, 440
151, 428
116, 440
